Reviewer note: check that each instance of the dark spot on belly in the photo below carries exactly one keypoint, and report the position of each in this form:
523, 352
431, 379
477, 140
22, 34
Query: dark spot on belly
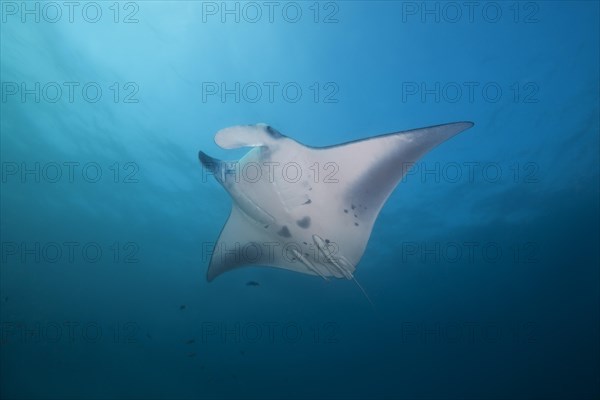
304, 222
356, 223
355, 216
304, 242
353, 206
327, 241
307, 202
266, 226
346, 211
285, 232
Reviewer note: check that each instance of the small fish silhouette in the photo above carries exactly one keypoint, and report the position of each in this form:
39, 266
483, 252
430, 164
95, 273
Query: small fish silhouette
191, 341
252, 283
182, 307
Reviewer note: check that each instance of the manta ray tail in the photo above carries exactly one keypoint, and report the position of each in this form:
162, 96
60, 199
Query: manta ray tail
363, 291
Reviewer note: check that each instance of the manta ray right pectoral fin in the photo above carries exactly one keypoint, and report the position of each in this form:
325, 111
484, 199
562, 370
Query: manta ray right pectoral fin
368, 170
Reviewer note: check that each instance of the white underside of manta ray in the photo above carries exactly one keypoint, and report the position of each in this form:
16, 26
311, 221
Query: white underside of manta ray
307, 209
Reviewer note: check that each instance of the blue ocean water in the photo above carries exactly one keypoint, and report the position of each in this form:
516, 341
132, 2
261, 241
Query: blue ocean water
482, 266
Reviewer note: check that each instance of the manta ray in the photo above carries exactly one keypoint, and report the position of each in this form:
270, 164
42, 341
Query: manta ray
309, 209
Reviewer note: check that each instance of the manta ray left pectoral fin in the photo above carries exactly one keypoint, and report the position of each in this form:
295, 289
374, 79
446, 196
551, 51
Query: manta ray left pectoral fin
244, 241
234, 246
